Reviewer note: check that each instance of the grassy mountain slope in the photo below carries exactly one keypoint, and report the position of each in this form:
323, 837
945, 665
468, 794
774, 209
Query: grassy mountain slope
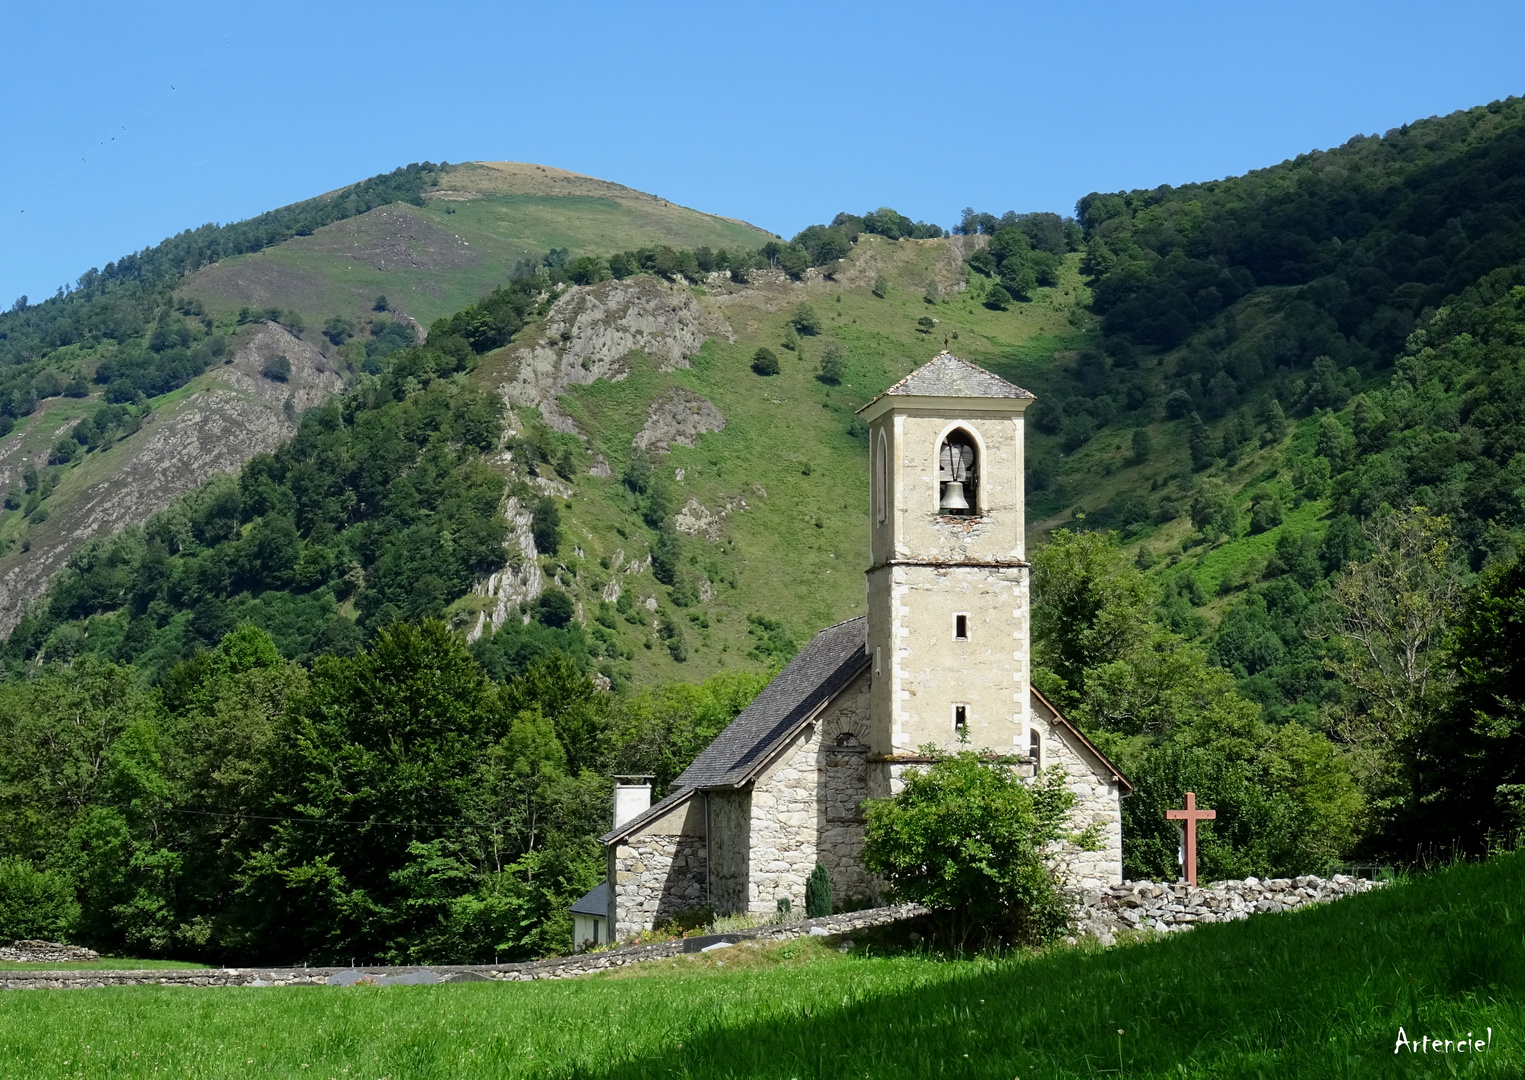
1317, 993
471, 231
778, 498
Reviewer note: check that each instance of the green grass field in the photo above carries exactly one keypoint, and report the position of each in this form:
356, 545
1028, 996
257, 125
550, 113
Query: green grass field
1319, 993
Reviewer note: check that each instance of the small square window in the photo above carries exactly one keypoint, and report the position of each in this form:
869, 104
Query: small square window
961, 628
960, 717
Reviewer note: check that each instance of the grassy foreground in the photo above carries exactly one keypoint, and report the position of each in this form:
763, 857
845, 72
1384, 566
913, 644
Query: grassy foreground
1319, 994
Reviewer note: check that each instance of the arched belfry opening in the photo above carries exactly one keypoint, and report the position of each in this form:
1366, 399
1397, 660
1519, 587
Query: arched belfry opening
958, 475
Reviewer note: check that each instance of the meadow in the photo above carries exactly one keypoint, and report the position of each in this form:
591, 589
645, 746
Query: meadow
1319, 993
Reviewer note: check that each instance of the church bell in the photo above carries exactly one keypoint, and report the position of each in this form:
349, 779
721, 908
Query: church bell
953, 497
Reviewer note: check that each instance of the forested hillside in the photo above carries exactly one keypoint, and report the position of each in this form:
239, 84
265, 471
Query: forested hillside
1276, 476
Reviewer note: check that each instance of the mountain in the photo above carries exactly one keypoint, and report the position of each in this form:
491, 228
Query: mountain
1226, 376
471, 230
162, 353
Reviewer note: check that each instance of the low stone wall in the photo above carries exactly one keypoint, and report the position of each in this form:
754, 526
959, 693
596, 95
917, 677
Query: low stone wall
46, 952
1146, 905
556, 968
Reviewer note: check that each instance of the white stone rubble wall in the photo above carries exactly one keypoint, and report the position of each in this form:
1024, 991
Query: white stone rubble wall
1147, 905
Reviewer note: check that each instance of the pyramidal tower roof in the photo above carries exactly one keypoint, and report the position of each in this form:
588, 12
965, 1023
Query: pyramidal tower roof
945, 375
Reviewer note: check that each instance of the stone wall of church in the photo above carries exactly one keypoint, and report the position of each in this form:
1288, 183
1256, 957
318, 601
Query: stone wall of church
806, 809
659, 872
1096, 803
730, 826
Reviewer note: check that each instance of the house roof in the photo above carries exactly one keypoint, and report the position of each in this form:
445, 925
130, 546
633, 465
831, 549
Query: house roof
594, 902
945, 375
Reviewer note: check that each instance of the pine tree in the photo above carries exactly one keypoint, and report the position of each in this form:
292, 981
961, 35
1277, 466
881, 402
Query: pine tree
818, 893
1276, 422
1199, 442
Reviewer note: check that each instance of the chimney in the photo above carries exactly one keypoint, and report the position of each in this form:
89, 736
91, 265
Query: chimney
632, 797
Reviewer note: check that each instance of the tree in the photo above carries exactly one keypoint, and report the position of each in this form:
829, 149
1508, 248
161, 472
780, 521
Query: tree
997, 299
554, 607
1276, 423
545, 526
818, 893
1214, 511
36, 904
1390, 613
1469, 760
970, 840
805, 320
1198, 442
831, 363
881, 286
277, 368
765, 361
1143, 446
1265, 511
1089, 606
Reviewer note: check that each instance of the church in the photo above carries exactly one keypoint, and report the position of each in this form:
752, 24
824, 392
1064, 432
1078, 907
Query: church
941, 658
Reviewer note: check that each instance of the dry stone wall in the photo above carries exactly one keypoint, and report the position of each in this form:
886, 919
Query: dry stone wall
1147, 905
657, 877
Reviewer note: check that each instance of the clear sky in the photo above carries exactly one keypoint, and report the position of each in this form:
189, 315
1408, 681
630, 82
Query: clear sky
125, 123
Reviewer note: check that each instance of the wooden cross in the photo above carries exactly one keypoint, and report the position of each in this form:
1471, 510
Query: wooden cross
1191, 815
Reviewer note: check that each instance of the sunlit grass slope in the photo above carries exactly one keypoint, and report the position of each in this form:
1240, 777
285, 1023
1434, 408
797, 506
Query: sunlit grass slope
433, 260
1319, 993
788, 463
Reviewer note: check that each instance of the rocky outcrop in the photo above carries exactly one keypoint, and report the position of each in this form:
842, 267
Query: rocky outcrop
676, 418
236, 414
590, 331
1146, 905
520, 580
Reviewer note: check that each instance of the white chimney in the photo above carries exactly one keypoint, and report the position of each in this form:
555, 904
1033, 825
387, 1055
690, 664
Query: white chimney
632, 797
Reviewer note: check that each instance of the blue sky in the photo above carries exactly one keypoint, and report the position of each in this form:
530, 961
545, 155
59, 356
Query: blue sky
779, 113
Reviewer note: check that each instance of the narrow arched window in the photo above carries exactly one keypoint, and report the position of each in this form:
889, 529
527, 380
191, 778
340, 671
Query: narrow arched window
958, 476
881, 480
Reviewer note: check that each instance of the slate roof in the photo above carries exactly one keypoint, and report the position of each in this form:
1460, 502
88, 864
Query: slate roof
945, 375
595, 902
810, 680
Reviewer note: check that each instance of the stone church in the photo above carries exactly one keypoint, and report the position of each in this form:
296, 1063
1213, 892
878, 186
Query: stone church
941, 658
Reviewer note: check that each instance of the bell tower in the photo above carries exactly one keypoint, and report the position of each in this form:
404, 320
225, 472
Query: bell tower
948, 575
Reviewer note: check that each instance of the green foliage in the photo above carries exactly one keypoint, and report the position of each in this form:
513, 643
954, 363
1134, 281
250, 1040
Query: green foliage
832, 363
35, 904
997, 298
967, 838
382, 497
805, 320
773, 643
545, 526
765, 361
1171, 720
277, 368
818, 893
1469, 785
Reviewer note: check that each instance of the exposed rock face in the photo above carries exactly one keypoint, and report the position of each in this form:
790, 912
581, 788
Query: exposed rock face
676, 418
240, 413
590, 331
520, 579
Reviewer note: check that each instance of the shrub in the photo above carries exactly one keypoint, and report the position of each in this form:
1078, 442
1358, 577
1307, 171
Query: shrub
277, 368
805, 320
997, 299
545, 526
818, 893
881, 286
970, 840
925, 324
831, 364
554, 608
35, 903
765, 361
